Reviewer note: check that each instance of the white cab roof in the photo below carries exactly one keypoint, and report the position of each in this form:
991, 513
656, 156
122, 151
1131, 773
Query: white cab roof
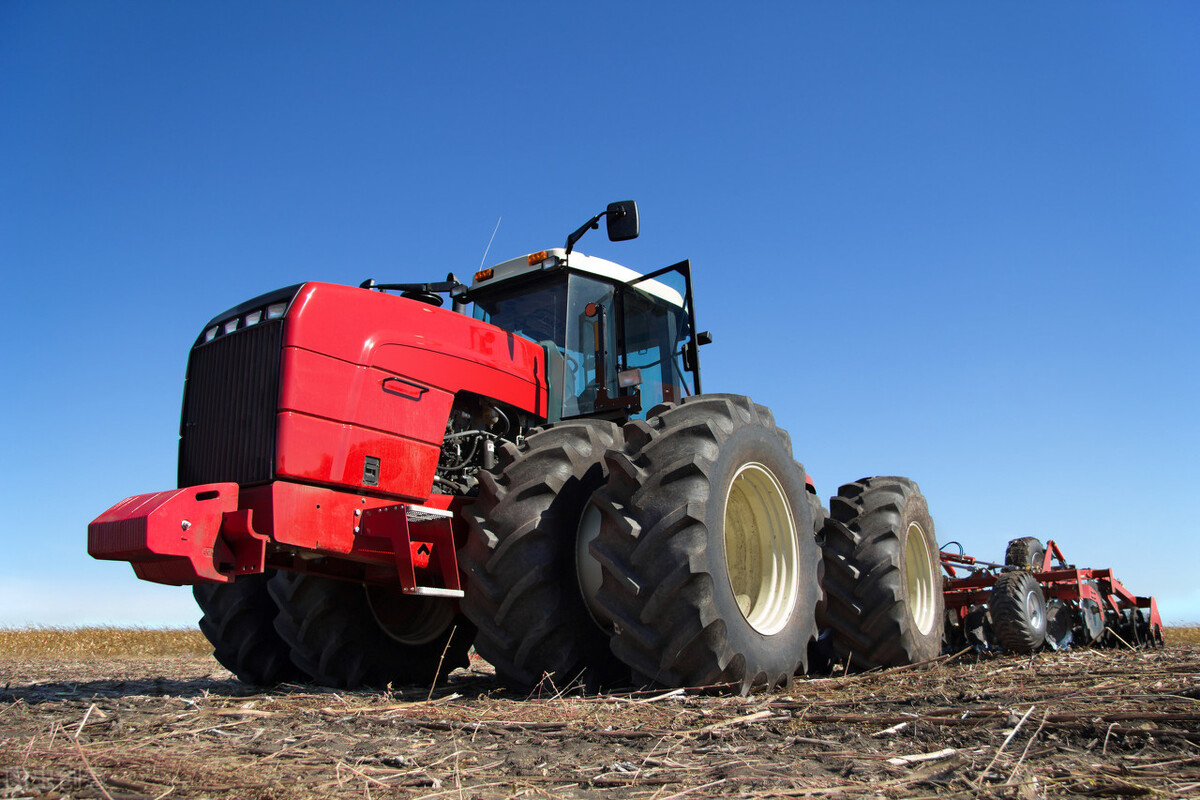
557, 257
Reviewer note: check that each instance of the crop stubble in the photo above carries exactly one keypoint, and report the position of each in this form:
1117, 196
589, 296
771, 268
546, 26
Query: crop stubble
170, 723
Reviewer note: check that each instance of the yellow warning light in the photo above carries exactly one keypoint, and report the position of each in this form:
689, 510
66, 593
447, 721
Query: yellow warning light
484, 274
537, 258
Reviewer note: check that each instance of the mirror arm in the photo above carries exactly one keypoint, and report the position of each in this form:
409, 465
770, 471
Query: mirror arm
591, 225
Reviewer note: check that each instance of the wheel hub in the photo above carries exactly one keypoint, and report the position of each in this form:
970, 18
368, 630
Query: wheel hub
761, 549
923, 586
409, 619
1033, 610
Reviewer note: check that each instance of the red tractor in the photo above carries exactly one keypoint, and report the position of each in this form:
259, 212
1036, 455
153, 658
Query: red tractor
371, 483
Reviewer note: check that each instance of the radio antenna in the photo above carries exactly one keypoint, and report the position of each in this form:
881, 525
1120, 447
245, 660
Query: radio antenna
489, 244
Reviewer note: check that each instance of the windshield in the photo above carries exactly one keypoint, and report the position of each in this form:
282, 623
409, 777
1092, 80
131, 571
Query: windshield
625, 329
535, 311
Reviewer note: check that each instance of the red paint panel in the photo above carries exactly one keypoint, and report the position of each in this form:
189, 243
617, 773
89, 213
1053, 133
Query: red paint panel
432, 346
309, 517
323, 451
456, 374
320, 386
318, 518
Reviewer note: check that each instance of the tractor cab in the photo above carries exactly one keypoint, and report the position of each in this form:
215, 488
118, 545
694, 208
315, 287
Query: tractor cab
617, 343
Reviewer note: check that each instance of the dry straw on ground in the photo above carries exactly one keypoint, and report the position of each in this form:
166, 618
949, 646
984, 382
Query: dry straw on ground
1076, 723
16, 643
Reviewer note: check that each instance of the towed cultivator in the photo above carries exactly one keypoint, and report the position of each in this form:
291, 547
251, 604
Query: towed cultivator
1036, 599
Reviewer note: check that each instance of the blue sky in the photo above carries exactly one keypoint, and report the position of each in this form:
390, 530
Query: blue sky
956, 241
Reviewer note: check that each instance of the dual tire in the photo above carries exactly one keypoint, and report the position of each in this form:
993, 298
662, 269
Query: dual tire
883, 602
280, 627
675, 551
710, 566
239, 621
347, 635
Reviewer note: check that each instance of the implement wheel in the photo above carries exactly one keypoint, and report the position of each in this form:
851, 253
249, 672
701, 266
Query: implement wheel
1027, 552
1018, 609
239, 621
883, 585
1151, 633
1059, 625
1089, 623
346, 635
710, 567
527, 561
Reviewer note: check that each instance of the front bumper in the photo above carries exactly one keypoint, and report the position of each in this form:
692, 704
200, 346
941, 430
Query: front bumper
181, 536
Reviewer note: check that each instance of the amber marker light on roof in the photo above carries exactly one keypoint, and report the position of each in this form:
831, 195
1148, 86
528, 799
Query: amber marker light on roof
484, 274
537, 258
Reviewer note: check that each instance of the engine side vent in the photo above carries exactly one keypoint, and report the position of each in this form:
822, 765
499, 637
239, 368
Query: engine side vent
230, 401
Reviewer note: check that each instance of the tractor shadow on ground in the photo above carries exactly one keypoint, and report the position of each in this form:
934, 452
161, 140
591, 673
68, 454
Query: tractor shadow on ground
463, 683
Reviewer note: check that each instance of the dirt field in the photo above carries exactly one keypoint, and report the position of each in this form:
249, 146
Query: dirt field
1090, 723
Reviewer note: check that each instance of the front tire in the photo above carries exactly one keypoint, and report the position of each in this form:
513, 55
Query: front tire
710, 564
239, 621
883, 587
345, 634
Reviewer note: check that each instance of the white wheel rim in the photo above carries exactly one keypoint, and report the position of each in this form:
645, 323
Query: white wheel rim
761, 549
1034, 609
922, 584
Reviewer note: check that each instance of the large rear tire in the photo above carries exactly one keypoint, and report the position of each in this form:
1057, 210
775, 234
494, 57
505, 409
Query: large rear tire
346, 635
710, 567
1018, 610
525, 587
239, 621
883, 586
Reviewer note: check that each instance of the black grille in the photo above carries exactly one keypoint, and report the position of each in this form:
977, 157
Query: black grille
230, 401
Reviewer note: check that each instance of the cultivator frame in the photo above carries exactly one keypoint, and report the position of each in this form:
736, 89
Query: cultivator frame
1080, 605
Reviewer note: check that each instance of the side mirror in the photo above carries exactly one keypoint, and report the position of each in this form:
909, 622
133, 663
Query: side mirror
622, 219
